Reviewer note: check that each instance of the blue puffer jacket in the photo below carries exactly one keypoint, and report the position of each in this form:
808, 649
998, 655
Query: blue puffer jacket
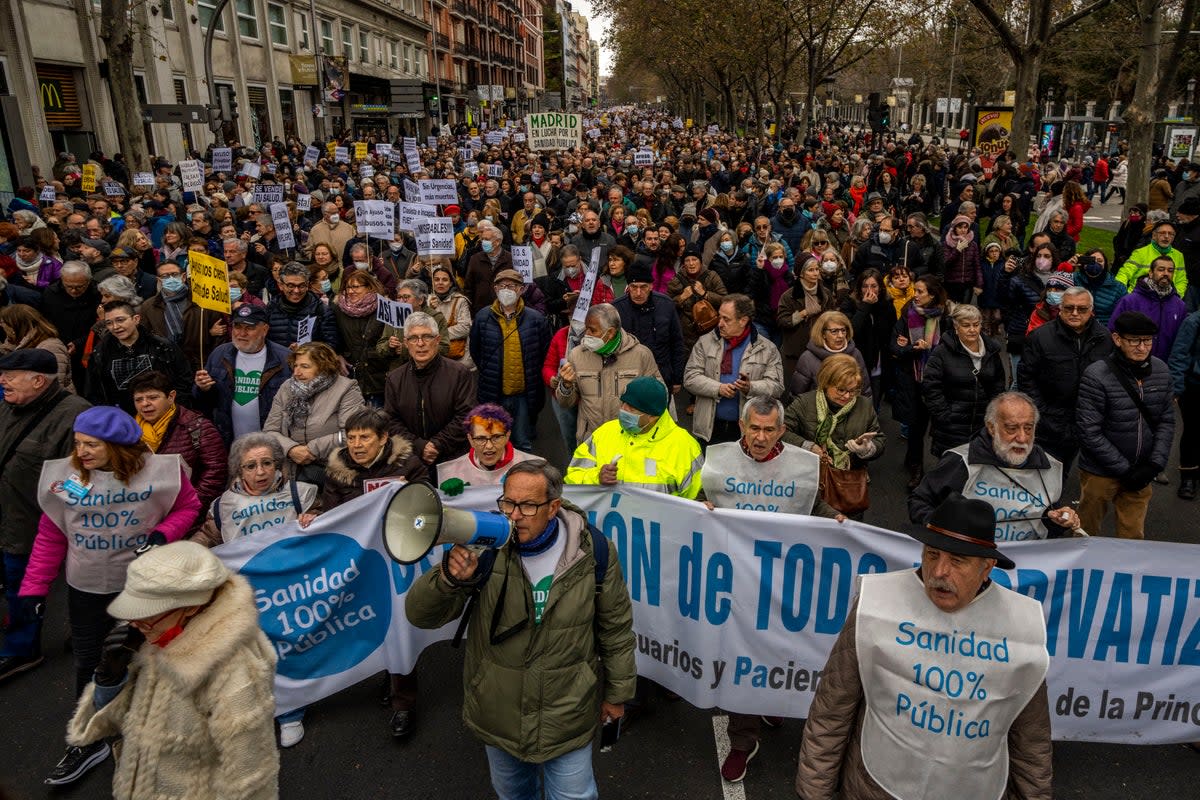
487, 351
285, 324
218, 401
1185, 355
1106, 292
1113, 435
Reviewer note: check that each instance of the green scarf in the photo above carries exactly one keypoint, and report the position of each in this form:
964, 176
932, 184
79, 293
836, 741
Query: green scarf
610, 346
826, 423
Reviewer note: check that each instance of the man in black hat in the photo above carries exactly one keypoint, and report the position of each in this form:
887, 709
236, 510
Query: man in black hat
651, 317
1126, 423
36, 421
881, 727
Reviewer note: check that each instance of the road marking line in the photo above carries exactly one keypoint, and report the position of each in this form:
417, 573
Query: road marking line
733, 791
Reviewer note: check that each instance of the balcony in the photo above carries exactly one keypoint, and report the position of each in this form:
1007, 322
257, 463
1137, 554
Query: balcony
443, 41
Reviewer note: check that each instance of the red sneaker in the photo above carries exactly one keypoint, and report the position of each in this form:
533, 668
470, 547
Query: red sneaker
734, 768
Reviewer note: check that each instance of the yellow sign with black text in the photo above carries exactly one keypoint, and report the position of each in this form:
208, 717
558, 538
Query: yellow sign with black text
210, 282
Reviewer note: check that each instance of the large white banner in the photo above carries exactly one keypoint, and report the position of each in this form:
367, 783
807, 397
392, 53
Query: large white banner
554, 131
739, 609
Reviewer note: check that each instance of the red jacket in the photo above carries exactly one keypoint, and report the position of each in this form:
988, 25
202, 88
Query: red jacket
1100, 171
556, 353
199, 445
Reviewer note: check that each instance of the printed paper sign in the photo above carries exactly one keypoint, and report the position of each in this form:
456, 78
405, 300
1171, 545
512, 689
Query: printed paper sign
522, 260
383, 148
88, 182
375, 218
412, 192
391, 312
268, 193
222, 159
414, 163
584, 301
495, 171
311, 155
113, 189
47, 195
438, 192
251, 169
304, 330
554, 131
283, 226
143, 179
518, 137
431, 142
412, 213
360, 151
191, 173
435, 237
304, 202
341, 155
210, 282
366, 171
643, 158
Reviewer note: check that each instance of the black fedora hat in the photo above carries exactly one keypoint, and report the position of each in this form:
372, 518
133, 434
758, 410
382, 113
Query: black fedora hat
966, 527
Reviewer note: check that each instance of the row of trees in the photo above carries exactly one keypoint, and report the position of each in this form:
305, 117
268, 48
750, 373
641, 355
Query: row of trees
1136, 51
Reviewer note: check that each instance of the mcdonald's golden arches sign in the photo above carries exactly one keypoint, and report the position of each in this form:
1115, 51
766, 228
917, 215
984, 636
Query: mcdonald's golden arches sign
58, 96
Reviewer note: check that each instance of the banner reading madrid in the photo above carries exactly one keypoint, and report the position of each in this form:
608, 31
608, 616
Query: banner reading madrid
209, 278
554, 131
739, 609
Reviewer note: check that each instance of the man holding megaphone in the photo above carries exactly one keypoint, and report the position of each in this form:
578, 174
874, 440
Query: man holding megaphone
551, 607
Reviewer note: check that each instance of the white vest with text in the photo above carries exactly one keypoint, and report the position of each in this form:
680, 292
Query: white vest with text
1015, 494
786, 483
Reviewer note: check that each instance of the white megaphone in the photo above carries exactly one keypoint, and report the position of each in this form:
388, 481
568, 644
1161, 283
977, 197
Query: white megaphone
416, 522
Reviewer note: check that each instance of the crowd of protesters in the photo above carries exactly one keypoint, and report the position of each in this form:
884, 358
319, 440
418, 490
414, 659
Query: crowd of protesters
849, 276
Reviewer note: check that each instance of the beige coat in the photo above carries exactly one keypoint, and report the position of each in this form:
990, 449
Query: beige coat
196, 715
831, 753
600, 381
329, 410
702, 376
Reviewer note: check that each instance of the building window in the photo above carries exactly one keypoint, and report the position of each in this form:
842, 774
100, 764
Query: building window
277, 23
348, 41
326, 37
205, 9
419, 62
364, 47
302, 28
393, 55
407, 58
247, 20
168, 9
287, 107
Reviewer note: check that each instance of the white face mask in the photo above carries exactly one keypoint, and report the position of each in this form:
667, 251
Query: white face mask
778, 262
829, 267
592, 343
361, 265
1042, 264
885, 237
334, 219
507, 297
571, 272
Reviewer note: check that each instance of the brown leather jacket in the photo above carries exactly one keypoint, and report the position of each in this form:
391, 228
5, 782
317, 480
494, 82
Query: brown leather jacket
831, 753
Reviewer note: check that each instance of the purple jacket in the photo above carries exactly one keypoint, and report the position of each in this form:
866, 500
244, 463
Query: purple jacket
48, 272
1167, 312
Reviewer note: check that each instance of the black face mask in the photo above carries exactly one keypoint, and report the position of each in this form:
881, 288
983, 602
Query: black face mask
787, 214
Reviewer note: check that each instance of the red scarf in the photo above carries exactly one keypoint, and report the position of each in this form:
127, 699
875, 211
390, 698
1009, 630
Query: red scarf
501, 464
776, 450
730, 346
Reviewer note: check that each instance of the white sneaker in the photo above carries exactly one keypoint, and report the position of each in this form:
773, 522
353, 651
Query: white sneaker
290, 733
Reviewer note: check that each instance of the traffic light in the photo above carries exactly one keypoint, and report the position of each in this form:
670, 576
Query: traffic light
214, 119
885, 116
228, 103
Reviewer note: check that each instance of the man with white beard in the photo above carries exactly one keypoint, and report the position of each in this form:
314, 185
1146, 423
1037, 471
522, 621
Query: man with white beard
1003, 466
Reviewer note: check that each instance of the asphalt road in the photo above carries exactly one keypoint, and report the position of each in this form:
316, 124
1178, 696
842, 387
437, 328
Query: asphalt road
669, 753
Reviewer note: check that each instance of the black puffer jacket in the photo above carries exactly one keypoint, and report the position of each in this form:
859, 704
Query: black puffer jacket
956, 393
285, 323
872, 324
1051, 368
656, 325
1019, 292
1113, 436
734, 271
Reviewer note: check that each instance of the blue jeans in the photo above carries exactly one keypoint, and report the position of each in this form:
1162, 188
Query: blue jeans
568, 777
567, 418
522, 430
22, 636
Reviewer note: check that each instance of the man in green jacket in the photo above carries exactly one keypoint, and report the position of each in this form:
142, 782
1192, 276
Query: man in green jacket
537, 639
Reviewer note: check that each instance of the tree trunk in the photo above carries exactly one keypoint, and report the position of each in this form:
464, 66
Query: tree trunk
117, 34
1141, 112
1025, 109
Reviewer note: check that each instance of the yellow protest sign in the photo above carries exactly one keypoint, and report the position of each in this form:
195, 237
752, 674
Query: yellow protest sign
330, 148
88, 184
771, 130
210, 282
687, 123
360, 151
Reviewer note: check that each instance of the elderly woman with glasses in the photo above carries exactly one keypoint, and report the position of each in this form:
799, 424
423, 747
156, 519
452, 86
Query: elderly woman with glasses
491, 455
831, 334
963, 374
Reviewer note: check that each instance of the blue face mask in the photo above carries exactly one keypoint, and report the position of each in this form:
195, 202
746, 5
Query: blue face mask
1053, 298
631, 230
172, 284
630, 421
235, 293
726, 247
486, 245
326, 286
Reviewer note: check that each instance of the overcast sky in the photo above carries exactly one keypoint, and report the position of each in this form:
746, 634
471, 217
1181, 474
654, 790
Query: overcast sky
596, 31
